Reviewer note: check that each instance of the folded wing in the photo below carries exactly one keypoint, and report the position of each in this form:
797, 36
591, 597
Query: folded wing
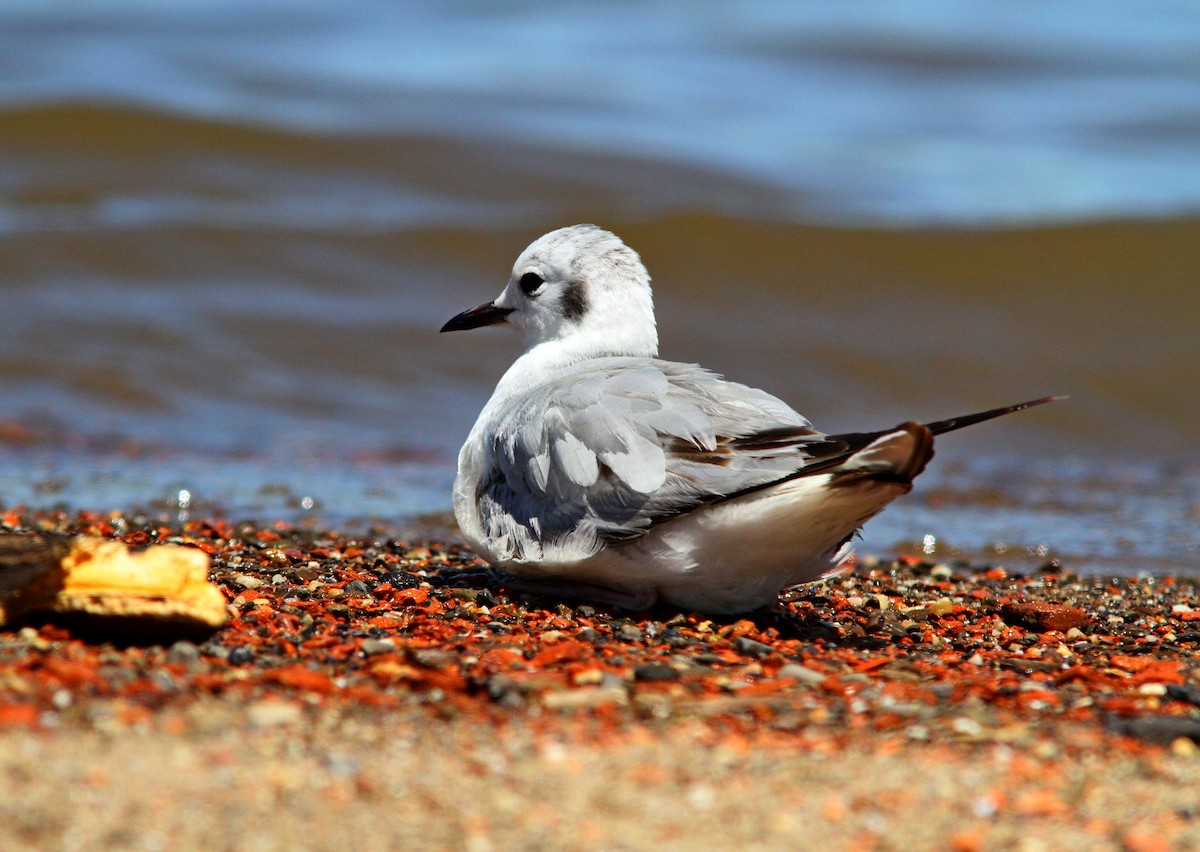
607, 452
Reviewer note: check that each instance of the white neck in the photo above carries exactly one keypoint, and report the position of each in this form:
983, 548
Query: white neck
543, 361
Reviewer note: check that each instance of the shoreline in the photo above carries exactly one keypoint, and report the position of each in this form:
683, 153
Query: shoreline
962, 705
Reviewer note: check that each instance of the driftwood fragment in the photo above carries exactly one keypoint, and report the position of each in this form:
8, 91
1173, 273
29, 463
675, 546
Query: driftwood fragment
97, 579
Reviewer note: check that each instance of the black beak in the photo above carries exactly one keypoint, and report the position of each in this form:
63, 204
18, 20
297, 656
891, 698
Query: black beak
486, 314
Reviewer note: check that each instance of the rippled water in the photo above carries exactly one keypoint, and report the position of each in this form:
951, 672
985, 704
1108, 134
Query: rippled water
230, 231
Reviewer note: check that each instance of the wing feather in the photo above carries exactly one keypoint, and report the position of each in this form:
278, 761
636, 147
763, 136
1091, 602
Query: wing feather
613, 446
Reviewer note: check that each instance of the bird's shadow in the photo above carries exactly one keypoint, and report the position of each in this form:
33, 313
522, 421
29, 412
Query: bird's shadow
781, 621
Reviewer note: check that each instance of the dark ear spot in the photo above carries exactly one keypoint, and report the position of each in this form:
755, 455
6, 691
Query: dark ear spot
574, 301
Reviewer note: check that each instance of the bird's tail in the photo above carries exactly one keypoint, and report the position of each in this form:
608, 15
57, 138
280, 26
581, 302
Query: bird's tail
900, 454
940, 426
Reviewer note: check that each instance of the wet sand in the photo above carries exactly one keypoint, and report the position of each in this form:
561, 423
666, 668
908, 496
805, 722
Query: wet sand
387, 692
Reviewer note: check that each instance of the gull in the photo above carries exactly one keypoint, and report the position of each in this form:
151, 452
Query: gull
598, 471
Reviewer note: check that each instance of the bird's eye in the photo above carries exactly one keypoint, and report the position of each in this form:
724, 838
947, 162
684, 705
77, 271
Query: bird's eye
531, 282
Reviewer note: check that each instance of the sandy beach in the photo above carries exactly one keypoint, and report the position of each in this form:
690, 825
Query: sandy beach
392, 693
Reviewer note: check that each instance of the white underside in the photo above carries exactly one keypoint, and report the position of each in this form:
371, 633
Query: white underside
733, 556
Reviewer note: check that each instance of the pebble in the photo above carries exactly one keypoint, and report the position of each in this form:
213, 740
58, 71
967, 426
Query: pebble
240, 656
942, 606
276, 556
183, 653
751, 648
585, 698
655, 672
401, 580
371, 647
1190, 694
1043, 616
630, 633
802, 674
1184, 747
248, 582
433, 658
1156, 729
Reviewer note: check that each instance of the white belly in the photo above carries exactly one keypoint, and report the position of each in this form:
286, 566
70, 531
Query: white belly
737, 555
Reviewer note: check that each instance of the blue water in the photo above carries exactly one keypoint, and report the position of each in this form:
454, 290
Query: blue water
896, 112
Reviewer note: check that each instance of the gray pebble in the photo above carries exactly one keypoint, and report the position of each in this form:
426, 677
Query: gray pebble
751, 648
630, 633
183, 653
654, 672
802, 674
240, 656
371, 647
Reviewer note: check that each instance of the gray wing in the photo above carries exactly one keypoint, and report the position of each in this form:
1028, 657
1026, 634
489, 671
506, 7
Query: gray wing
616, 446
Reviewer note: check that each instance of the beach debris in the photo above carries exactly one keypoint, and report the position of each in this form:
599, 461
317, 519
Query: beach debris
88, 577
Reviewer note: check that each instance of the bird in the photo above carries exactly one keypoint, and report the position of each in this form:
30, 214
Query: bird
599, 472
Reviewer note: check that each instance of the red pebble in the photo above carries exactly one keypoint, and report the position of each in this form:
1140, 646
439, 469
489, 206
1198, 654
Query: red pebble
1042, 617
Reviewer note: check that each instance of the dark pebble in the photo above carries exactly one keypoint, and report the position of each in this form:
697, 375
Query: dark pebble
399, 580
751, 648
357, 589
676, 639
655, 672
587, 634
1156, 729
1190, 694
241, 656
484, 597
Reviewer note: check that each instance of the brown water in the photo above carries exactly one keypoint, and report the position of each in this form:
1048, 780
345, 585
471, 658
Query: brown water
225, 251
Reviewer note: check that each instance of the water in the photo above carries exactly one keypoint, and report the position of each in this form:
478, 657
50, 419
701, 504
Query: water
229, 232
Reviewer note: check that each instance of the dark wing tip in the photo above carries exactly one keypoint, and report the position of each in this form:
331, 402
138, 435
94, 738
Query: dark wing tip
940, 426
